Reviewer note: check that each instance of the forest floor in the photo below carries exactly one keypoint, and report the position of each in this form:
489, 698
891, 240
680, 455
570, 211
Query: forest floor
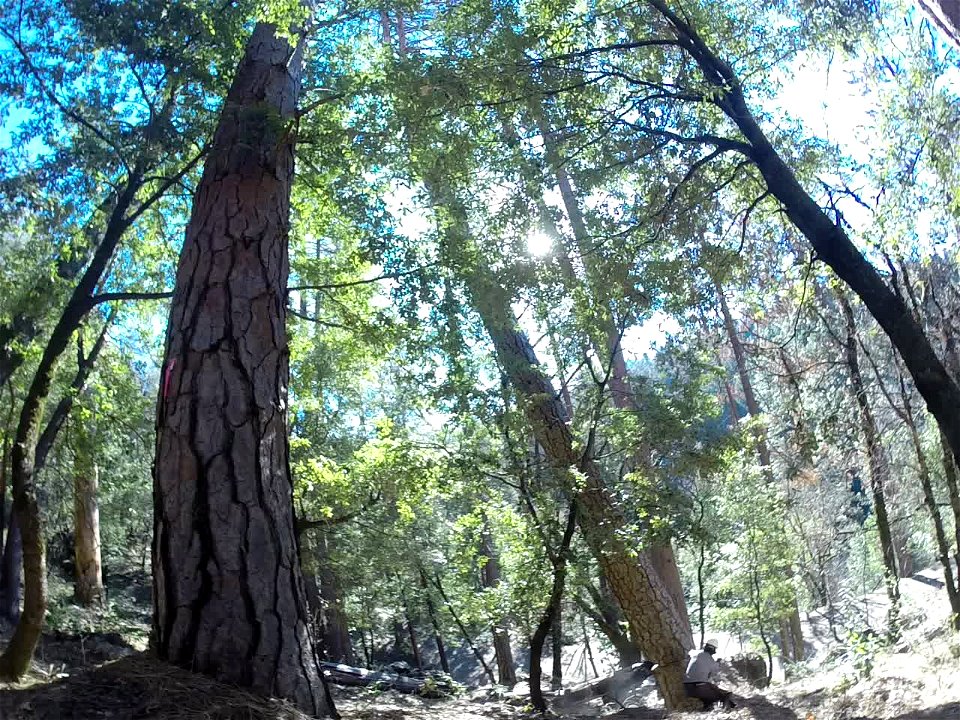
86, 675
100, 676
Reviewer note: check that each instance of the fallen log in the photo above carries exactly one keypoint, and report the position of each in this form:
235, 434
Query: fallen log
613, 688
427, 684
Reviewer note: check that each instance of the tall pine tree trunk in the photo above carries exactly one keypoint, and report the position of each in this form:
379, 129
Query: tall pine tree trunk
228, 591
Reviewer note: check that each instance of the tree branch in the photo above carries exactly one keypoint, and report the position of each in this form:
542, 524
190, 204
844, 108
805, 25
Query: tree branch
101, 298
365, 281
603, 49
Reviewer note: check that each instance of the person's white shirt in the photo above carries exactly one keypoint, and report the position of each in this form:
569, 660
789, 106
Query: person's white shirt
702, 666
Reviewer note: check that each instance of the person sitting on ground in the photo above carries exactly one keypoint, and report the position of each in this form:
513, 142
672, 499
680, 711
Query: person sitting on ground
697, 682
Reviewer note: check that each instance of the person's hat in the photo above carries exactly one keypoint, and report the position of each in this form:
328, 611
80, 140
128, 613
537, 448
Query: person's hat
710, 644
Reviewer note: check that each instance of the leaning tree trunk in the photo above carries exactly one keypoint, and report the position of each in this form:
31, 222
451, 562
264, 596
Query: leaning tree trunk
827, 237
877, 461
622, 396
15, 660
228, 591
945, 14
647, 604
88, 586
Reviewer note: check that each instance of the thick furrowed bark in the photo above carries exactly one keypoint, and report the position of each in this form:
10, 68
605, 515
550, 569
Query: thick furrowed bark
228, 590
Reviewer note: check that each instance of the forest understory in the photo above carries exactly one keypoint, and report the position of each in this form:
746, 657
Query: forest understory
112, 675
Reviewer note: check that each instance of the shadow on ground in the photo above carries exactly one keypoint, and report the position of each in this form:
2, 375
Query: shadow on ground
943, 712
760, 707
136, 687
756, 708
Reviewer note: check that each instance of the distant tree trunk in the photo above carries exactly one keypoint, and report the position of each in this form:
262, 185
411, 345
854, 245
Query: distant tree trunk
414, 644
434, 621
953, 492
335, 630
88, 587
311, 587
588, 650
463, 630
501, 638
701, 591
556, 649
732, 403
930, 499
558, 559
878, 463
223, 516
791, 632
11, 566
828, 238
4, 464
948, 460
409, 620
749, 396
